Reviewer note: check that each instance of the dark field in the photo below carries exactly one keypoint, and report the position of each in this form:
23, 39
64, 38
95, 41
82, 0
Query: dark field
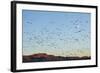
43, 57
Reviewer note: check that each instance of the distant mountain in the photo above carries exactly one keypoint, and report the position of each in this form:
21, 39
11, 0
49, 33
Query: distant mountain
42, 57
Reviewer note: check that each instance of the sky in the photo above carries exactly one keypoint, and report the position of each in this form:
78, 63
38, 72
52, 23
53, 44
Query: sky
56, 33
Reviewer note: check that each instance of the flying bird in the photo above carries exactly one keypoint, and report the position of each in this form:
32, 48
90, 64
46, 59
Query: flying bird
29, 22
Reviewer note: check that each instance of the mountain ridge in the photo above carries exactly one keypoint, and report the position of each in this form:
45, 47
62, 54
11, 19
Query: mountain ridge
42, 57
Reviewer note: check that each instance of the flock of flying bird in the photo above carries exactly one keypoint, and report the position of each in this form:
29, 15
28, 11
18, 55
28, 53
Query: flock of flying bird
39, 40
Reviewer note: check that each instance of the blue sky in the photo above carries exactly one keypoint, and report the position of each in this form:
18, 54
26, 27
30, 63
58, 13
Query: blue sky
57, 33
